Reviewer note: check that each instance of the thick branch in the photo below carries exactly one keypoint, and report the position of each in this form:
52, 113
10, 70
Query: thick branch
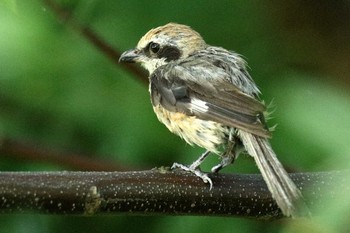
154, 192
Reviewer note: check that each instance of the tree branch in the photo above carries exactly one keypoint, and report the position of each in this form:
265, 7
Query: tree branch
158, 191
29, 151
103, 46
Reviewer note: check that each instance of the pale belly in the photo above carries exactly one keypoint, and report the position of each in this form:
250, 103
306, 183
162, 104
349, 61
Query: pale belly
207, 134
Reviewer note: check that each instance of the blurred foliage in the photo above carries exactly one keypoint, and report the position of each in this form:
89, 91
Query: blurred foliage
58, 91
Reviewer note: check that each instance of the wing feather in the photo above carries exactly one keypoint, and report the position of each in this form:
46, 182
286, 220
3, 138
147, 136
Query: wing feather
207, 97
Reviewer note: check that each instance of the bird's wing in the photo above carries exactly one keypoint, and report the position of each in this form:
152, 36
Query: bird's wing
203, 91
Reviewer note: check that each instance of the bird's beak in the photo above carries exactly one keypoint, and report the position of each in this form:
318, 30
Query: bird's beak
130, 56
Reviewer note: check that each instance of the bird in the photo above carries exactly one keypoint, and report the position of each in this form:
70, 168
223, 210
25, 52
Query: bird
205, 95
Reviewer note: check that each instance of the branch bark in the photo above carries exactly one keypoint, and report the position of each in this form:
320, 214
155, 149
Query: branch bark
157, 191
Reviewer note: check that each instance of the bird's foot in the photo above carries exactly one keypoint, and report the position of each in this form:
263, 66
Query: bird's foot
195, 170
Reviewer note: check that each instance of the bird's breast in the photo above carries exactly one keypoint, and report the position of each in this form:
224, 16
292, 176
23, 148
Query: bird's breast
207, 134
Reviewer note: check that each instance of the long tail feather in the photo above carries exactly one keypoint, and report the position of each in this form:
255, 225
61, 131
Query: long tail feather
287, 196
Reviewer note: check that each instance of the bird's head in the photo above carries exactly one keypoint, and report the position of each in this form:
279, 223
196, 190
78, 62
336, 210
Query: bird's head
164, 44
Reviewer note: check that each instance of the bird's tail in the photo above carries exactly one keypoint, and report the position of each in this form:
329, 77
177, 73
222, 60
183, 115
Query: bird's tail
287, 196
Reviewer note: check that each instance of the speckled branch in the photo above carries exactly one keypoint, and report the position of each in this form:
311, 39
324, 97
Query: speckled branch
155, 192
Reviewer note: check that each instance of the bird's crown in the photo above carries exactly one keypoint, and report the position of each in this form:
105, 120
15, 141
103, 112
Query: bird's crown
179, 37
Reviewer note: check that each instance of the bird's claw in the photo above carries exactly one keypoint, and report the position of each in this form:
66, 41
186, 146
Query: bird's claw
196, 171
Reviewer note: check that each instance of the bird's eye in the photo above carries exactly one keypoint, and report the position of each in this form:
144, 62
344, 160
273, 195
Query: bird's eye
154, 47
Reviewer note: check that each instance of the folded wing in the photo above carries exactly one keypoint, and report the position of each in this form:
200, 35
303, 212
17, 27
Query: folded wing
207, 94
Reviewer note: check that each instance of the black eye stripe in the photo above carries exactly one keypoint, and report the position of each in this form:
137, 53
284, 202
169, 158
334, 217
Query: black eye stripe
170, 53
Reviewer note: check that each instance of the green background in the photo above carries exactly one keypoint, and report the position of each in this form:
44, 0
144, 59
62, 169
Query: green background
60, 93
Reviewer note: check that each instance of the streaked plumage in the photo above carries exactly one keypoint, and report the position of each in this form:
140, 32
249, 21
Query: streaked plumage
205, 95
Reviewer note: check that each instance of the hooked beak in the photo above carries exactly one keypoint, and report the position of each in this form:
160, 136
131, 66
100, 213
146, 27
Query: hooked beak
130, 56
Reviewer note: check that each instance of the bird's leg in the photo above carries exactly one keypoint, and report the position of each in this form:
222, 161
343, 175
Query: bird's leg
229, 155
224, 162
195, 169
227, 158
195, 165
